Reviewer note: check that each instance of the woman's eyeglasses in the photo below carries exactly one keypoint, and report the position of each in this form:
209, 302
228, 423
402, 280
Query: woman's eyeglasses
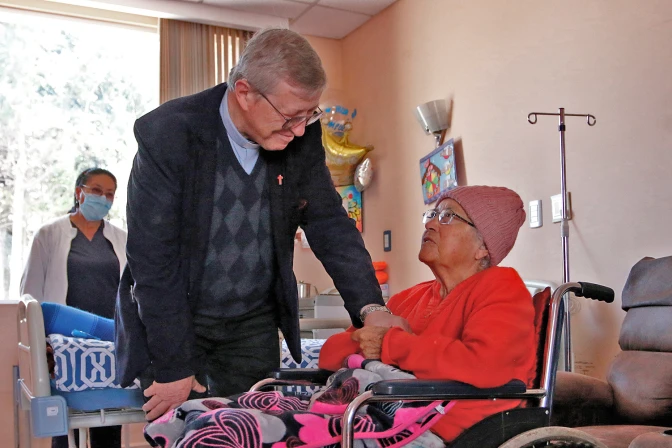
99, 192
445, 217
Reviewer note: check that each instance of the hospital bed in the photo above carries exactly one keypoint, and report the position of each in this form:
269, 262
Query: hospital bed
81, 402
60, 406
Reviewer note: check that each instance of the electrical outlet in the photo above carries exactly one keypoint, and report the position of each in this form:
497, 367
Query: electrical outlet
536, 217
556, 206
387, 240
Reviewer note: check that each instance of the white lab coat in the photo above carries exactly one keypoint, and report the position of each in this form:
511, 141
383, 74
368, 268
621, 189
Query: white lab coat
46, 277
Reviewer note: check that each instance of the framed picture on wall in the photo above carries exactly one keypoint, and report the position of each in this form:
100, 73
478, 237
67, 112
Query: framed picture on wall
352, 203
437, 171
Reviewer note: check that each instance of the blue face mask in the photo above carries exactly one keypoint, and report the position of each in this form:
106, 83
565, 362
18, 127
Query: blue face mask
94, 208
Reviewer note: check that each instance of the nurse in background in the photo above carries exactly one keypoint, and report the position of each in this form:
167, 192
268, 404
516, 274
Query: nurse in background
77, 260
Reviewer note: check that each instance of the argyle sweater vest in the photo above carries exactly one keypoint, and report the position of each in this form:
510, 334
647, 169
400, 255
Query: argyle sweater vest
238, 269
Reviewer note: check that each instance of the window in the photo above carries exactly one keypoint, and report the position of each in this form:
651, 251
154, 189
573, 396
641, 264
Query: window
196, 56
70, 91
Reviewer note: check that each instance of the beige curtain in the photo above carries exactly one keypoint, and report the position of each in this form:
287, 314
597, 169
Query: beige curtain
195, 57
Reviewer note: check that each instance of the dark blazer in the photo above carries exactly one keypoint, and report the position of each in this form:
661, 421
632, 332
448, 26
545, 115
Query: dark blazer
169, 210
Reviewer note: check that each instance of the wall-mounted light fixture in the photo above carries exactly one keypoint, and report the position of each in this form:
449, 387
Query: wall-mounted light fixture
434, 117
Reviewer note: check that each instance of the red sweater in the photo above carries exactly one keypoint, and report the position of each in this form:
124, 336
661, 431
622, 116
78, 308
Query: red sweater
482, 333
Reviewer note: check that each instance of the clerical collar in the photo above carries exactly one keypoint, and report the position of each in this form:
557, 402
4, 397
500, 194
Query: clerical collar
231, 130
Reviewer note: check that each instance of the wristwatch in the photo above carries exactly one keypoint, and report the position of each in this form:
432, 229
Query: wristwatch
370, 309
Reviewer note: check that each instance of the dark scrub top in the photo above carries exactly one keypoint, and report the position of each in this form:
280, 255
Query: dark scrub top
93, 274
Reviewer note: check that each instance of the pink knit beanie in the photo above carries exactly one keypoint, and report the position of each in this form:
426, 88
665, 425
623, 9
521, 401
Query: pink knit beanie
497, 213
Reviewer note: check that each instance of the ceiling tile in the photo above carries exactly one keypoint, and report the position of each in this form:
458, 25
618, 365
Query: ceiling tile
278, 8
370, 7
328, 22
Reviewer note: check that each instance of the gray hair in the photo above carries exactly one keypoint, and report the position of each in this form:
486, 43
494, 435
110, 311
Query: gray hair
275, 54
484, 262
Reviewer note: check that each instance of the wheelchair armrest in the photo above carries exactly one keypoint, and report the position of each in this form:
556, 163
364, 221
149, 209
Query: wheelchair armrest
316, 376
446, 390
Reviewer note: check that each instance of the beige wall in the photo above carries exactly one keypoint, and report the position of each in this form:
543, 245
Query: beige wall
331, 53
499, 61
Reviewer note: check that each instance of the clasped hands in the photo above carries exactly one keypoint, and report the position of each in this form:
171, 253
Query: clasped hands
376, 326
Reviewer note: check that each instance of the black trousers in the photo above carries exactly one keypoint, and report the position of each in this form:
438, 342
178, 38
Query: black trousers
233, 354
103, 437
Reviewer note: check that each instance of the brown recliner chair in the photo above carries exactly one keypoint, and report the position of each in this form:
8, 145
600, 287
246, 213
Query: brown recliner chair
636, 400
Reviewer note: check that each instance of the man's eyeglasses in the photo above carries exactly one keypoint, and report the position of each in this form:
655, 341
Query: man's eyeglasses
98, 192
445, 217
294, 121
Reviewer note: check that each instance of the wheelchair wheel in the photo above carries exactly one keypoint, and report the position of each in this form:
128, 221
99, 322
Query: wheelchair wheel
553, 436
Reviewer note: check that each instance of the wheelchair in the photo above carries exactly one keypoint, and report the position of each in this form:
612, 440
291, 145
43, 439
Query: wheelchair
528, 426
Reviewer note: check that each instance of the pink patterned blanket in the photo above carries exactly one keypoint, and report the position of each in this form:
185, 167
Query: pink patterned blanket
274, 420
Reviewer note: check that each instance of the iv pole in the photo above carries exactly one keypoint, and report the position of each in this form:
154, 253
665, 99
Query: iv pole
564, 226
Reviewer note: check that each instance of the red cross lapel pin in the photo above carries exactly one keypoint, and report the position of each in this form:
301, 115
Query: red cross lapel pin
280, 179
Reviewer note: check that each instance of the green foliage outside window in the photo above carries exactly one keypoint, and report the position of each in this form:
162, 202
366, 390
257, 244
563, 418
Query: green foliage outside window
69, 94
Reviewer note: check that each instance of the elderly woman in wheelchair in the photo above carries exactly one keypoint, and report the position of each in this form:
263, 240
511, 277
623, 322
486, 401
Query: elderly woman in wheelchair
474, 323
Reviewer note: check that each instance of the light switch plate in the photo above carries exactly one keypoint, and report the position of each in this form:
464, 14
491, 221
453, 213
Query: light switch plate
536, 217
556, 206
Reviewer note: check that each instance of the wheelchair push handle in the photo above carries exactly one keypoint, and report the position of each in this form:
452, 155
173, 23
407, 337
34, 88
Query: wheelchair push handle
595, 292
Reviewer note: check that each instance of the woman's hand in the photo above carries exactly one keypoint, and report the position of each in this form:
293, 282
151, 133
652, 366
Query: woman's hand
385, 319
370, 340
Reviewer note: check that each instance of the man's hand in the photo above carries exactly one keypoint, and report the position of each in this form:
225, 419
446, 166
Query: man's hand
370, 340
384, 319
167, 396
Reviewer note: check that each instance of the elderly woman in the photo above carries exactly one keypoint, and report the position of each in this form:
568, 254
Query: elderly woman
474, 322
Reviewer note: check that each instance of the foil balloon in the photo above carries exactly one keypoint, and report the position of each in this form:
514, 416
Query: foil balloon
338, 119
363, 174
342, 156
